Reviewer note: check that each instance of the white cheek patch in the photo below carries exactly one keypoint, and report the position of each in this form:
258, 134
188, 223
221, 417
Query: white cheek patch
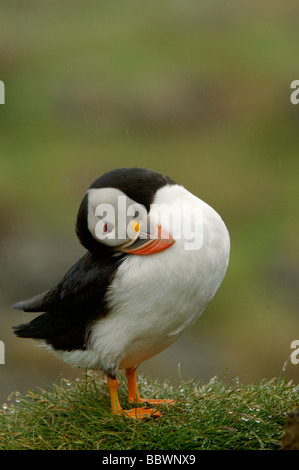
105, 226
110, 214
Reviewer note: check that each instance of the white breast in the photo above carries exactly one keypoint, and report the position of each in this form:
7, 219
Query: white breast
154, 298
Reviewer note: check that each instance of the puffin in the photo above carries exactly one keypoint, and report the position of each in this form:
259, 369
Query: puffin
155, 257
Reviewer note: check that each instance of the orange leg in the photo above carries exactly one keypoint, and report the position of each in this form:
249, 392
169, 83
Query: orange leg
137, 413
133, 393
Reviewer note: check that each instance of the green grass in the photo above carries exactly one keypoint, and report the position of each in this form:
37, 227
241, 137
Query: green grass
76, 415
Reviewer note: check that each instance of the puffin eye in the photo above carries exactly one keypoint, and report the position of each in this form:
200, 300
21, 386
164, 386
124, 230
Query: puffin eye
108, 228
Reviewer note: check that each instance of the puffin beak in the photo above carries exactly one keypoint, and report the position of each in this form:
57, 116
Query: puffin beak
151, 239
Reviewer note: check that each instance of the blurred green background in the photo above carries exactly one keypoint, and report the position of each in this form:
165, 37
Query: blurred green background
196, 90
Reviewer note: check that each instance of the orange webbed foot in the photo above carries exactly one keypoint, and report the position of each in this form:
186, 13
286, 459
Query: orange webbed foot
133, 393
136, 413
134, 397
153, 401
142, 413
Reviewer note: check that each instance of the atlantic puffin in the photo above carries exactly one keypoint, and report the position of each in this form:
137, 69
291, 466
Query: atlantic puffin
156, 255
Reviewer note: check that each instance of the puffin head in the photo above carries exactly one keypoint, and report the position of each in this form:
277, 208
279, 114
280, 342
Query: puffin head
114, 214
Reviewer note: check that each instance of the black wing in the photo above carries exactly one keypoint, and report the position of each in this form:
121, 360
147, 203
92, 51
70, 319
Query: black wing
71, 307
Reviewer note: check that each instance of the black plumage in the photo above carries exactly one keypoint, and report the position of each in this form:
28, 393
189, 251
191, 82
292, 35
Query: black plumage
71, 307
100, 316
138, 184
78, 300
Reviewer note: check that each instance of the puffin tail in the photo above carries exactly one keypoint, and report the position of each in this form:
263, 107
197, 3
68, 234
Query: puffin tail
36, 328
23, 331
34, 304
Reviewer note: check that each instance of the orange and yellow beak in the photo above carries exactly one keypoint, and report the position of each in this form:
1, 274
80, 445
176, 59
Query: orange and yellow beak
149, 239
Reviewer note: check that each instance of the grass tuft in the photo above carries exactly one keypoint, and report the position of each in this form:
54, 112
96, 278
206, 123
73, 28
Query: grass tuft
73, 415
